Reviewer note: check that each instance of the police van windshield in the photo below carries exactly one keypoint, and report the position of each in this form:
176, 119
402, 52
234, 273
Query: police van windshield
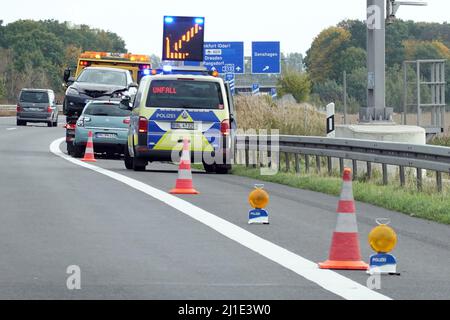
186, 94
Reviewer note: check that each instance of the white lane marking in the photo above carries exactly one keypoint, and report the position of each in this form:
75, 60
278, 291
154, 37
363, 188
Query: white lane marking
11, 129
328, 280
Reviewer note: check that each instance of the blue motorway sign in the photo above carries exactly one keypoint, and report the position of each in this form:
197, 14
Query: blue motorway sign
274, 93
266, 57
225, 57
255, 89
230, 78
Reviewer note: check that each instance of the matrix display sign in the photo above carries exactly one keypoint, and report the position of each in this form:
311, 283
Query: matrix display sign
183, 38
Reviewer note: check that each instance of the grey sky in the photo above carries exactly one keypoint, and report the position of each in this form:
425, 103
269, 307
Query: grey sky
294, 23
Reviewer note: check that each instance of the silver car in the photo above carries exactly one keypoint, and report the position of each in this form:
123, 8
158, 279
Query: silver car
37, 106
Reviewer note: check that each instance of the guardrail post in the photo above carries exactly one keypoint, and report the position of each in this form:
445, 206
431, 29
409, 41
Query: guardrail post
369, 170
247, 153
419, 179
318, 164
439, 181
330, 165
341, 166
385, 174
355, 169
307, 163
297, 163
288, 165
402, 176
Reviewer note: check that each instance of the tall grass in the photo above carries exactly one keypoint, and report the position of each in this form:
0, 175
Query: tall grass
289, 118
441, 141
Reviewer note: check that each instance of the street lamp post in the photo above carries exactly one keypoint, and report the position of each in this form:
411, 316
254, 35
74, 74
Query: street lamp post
376, 110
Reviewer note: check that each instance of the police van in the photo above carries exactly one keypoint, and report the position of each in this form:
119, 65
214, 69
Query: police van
174, 104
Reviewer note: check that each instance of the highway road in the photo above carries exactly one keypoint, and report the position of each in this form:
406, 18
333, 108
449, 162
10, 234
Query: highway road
134, 241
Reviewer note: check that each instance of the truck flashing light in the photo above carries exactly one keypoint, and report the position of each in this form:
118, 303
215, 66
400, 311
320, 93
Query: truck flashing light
115, 56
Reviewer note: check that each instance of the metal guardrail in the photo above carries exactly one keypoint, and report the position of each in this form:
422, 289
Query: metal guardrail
8, 107
402, 155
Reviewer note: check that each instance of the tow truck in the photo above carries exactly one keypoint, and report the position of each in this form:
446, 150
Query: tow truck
138, 65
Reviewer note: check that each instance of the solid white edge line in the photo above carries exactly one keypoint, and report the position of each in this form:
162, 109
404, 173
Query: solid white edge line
328, 280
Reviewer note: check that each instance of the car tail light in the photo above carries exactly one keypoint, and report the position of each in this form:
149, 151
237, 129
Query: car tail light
71, 126
225, 127
126, 121
143, 125
19, 108
49, 109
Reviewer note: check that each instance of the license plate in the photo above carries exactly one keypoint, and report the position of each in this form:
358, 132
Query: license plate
106, 135
34, 109
184, 125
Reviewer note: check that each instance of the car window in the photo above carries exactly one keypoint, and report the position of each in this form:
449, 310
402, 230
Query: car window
34, 97
103, 77
108, 110
186, 94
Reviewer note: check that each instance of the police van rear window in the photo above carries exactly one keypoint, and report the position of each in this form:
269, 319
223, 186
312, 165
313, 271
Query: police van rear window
185, 94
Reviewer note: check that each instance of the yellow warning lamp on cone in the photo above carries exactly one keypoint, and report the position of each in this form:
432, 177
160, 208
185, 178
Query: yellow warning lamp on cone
383, 240
258, 199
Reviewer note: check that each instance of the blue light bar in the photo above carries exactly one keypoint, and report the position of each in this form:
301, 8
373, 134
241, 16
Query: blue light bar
146, 72
169, 19
199, 20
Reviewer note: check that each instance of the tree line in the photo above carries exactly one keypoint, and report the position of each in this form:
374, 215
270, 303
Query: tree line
343, 48
35, 53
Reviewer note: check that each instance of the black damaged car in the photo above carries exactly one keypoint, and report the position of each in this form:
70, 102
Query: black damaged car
97, 83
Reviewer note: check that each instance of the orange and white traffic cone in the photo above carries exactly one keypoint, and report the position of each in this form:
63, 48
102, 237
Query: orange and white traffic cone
184, 183
345, 252
89, 153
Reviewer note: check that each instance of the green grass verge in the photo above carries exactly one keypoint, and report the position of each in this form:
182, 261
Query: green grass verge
434, 207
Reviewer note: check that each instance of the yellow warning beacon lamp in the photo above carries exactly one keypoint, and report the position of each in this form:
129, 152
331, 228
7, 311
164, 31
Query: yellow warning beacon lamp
383, 240
258, 199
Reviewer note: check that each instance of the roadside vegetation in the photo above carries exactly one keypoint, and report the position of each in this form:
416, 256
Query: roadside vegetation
428, 204
302, 119
290, 118
443, 141
35, 53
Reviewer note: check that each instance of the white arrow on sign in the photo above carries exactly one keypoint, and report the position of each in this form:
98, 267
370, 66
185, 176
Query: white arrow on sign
213, 69
238, 69
266, 68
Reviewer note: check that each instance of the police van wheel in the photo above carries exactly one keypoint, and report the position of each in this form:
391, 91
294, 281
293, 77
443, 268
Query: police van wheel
139, 164
223, 169
128, 160
209, 168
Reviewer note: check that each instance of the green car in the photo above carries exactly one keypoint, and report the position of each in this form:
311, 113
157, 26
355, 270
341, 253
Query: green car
108, 123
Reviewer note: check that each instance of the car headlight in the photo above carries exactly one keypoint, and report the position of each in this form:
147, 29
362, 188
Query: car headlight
72, 91
117, 95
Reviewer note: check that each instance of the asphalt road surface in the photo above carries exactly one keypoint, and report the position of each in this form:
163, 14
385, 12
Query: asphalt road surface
133, 241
